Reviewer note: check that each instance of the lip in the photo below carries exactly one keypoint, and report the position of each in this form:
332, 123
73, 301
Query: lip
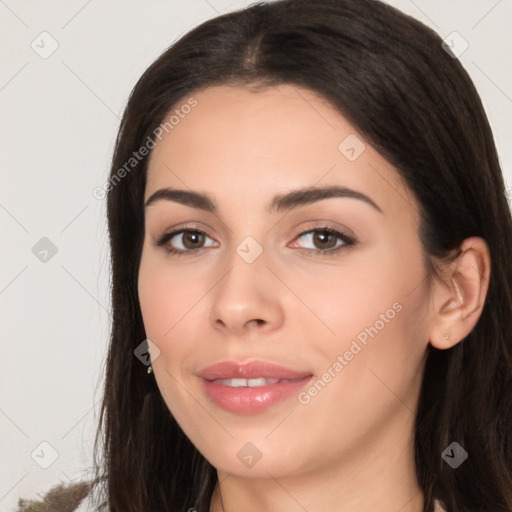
251, 400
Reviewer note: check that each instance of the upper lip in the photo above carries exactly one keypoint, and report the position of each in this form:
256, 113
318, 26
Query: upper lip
249, 370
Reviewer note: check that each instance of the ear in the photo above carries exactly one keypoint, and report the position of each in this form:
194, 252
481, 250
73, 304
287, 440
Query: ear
459, 299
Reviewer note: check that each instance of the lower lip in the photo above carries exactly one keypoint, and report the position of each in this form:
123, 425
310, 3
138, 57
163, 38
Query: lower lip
246, 400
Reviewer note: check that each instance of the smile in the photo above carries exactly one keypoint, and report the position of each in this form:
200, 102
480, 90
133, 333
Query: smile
250, 388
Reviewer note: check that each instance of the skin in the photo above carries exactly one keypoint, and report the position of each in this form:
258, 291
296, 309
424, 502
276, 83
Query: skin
350, 447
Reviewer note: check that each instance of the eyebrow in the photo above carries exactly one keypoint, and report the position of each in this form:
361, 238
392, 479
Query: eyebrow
279, 203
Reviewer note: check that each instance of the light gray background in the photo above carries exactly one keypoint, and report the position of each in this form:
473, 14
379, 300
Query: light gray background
59, 118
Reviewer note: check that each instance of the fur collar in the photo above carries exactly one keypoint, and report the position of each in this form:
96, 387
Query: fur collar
60, 498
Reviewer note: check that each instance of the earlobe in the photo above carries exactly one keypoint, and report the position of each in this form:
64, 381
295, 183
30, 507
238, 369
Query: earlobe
461, 301
443, 334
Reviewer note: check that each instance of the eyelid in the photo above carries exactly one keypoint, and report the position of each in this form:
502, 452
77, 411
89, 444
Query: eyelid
324, 224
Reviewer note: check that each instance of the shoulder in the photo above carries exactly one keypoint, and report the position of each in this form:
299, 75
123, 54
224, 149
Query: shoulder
72, 497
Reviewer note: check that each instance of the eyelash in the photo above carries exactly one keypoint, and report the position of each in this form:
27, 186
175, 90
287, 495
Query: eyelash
347, 241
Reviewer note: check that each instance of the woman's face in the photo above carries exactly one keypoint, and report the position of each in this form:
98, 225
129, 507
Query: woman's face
335, 323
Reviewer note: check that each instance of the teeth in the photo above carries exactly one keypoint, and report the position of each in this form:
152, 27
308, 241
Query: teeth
260, 381
251, 383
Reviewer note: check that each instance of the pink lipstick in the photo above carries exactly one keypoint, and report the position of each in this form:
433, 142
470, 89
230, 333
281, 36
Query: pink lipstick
249, 388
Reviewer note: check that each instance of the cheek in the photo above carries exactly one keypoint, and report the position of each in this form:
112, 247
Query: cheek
343, 301
167, 296
169, 299
372, 316
370, 368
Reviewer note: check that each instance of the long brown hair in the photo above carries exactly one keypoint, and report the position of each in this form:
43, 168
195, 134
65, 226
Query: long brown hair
389, 75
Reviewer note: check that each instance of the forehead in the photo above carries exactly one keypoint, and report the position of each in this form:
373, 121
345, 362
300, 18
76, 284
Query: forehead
241, 122
260, 142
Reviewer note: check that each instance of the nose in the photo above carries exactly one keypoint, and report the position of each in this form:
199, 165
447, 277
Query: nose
247, 299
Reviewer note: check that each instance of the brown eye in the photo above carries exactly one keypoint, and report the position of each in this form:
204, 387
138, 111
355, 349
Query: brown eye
325, 240
184, 241
191, 239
